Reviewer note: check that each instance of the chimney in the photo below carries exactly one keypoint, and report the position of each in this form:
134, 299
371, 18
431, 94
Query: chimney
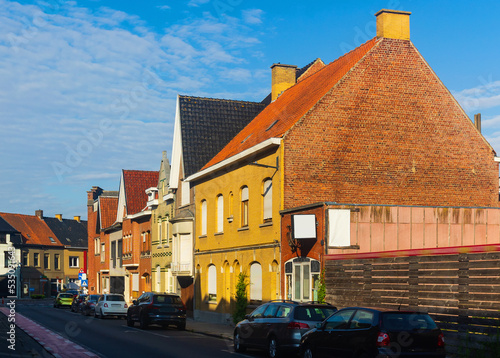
477, 121
283, 77
393, 24
39, 214
76, 218
59, 217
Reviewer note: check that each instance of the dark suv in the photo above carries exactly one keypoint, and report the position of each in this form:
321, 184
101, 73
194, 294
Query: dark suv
277, 326
366, 332
160, 308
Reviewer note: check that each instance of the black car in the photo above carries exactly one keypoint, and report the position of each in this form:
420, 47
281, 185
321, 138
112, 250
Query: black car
277, 326
88, 305
157, 308
76, 305
365, 332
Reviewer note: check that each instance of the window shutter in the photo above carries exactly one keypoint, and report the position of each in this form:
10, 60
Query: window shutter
256, 282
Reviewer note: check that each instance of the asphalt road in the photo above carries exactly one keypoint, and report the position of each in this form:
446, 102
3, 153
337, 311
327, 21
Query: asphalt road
111, 337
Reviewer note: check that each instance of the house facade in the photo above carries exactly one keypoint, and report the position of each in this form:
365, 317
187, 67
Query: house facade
161, 201
374, 135
10, 260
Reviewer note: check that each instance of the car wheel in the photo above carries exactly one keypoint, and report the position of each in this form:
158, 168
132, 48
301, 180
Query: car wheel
238, 347
181, 326
272, 348
101, 315
130, 321
143, 322
308, 353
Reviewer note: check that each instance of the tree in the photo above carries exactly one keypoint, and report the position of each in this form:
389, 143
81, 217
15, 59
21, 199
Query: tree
241, 298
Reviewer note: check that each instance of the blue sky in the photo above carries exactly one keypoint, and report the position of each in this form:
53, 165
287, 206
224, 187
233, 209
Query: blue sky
88, 88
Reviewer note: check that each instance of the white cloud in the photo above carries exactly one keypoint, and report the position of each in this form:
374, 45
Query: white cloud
196, 3
163, 7
486, 95
86, 93
252, 16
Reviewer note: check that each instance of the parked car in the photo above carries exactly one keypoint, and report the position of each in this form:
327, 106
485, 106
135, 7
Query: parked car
365, 332
111, 305
157, 308
76, 305
63, 299
73, 292
277, 326
88, 306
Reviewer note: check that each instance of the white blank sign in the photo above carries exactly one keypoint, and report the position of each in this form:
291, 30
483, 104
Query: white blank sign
304, 226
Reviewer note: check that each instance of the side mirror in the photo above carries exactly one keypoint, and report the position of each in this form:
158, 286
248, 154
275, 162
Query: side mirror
134, 302
319, 325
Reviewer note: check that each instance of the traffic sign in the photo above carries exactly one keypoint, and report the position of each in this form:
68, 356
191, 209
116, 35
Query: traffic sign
84, 283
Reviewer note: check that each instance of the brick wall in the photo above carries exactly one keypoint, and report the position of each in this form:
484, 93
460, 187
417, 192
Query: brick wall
389, 133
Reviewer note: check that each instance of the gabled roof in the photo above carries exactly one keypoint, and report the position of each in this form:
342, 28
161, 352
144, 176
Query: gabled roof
208, 124
33, 230
5, 227
278, 117
107, 210
69, 232
135, 183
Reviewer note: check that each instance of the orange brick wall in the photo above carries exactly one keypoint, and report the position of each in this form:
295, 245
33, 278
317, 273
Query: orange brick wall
389, 133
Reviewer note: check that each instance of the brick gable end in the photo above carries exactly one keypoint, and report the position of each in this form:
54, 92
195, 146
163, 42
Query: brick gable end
389, 133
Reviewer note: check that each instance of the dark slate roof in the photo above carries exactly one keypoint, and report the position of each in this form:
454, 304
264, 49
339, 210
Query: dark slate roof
69, 232
5, 227
208, 124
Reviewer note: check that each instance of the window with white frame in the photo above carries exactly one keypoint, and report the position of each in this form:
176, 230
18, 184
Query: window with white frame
212, 283
268, 200
256, 282
185, 195
244, 206
103, 252
74, 261
203, 217
220, 213
97, 245
160, 231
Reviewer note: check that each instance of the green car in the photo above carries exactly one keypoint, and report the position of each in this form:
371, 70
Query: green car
63, 299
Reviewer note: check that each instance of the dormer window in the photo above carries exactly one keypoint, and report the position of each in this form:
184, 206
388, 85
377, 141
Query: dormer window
52, 240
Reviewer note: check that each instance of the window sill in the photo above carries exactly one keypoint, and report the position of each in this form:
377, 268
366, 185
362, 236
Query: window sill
202, 237
244, 228
266, 224
219, 233
211, 302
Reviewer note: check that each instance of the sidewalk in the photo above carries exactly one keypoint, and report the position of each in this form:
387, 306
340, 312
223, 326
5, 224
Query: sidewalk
212, 329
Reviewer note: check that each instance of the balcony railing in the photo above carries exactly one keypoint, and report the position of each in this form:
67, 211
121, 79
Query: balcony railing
181, 266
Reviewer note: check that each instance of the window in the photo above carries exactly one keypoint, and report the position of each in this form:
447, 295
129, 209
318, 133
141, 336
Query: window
6, 257
268, 200
212, 283
119, 253
103, 251
339, 320
145, 242
220, 213
25, 259
203, 217
113, 254
74, 261
185, 193
256, 282
97, 245
158, 278
135, 282
57, 264
244, 206
36, 259
46, 261
302, 279
3, 238
160, 232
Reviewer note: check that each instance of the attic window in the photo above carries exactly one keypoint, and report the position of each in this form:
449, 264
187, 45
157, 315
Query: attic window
244, 140
272, 125
52, 240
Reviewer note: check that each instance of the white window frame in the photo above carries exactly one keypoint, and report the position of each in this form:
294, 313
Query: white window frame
244, 207
256, 282
76, 263
267, 195
220, 213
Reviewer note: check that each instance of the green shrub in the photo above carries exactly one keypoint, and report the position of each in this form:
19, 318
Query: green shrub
37, 296
241, 298
322, 287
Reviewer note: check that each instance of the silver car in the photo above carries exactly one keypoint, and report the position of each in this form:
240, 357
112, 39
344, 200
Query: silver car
111, 304
278, 326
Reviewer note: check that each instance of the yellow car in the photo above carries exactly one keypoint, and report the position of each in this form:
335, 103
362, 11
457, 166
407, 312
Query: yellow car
63, 299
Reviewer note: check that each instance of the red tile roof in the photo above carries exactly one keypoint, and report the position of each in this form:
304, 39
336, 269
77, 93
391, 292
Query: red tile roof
278, 117
136, 182
34, 230
107, 211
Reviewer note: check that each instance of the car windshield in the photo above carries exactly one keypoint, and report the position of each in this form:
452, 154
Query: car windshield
319, 314
167, 299
65, 295
115, 298
407, 321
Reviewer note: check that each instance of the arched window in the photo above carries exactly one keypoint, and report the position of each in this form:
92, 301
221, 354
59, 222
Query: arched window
256, 282
268, 200
204, 217
244, 206
220, 213
212, 283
